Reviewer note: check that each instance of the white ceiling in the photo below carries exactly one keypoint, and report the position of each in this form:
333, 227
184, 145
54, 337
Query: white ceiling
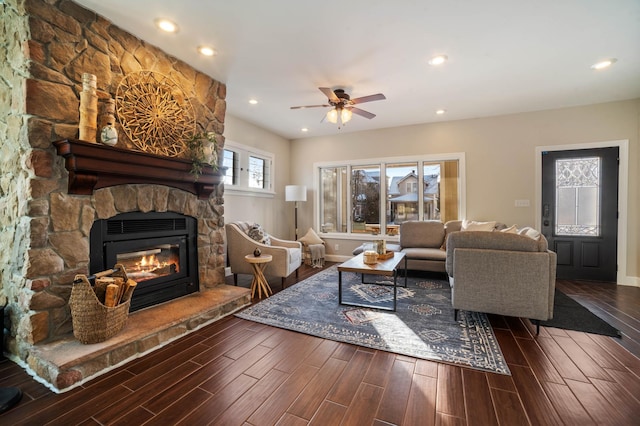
505, 56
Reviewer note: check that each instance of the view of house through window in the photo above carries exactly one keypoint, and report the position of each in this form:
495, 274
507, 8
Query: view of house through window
355, 199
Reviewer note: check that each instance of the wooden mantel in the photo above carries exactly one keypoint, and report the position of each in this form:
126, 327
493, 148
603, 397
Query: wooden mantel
93, 166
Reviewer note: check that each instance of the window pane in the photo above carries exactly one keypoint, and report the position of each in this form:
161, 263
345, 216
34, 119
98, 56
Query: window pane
448, 200
230, 161
256, 172
402, 197
333, 206
431, 191
578, 196
365, 199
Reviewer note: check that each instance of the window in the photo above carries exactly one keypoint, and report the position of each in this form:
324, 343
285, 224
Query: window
376, 197
230, 161
247, 169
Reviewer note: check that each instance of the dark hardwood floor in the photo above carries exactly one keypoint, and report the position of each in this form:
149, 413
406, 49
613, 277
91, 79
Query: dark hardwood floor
236, 372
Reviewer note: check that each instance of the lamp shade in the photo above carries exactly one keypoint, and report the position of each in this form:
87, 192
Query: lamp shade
295, 193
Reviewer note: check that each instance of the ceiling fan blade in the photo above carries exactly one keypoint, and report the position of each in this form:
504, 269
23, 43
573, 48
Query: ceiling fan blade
310, 106
362, 113
376, 97
329, 94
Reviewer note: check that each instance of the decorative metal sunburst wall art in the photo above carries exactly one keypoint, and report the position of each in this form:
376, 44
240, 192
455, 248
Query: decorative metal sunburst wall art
155, 113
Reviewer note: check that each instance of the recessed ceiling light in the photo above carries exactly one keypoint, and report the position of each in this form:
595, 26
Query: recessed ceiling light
438, 60
441, 111
253, 101
206, 50
166, 25
604, 64
304, 129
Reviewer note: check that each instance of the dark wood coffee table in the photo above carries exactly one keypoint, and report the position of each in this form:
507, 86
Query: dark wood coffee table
386, 267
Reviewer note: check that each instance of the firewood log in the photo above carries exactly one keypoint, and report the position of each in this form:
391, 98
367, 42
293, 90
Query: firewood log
130, 286
111, 296
101, 287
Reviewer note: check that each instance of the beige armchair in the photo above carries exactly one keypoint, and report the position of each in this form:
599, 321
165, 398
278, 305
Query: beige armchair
287, 255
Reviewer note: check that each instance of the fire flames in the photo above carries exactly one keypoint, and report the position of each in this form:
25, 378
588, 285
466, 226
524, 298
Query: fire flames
150, 266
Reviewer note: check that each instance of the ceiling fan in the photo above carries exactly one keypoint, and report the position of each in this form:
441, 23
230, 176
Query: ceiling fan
343, 105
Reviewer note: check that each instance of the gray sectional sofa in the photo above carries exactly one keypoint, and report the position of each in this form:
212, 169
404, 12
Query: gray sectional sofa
502, 273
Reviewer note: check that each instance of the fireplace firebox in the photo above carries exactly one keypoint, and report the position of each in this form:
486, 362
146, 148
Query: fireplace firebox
157, 249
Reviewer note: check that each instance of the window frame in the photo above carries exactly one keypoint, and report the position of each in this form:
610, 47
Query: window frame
382, 162
242, 187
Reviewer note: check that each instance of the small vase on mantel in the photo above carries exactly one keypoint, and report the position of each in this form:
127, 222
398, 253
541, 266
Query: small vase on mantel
109, 134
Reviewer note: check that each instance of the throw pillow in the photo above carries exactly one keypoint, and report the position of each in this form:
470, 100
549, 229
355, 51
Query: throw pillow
471, 225
311, 238
530, 232
257, 233
510, 230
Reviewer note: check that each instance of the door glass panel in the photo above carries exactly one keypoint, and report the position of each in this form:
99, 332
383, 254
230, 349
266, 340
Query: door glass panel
578, 196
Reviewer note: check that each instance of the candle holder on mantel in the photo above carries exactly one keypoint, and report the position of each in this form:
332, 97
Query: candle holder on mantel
88, 124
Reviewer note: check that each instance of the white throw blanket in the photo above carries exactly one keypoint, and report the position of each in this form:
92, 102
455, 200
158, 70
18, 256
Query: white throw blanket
317, 255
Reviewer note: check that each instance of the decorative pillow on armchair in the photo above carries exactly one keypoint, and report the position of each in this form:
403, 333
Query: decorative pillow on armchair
257, 233
311, 238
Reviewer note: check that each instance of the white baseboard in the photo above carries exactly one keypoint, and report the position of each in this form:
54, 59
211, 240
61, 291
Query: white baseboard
631, 281
337, 258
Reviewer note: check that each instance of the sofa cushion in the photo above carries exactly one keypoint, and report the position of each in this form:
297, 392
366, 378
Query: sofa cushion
472, 225
492, 241
425, 253
510, 230
428, 233
449, 227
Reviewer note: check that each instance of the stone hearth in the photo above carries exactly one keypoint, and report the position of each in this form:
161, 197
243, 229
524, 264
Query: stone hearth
69, 363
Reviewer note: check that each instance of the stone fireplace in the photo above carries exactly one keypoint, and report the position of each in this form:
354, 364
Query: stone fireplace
156, 249
47, 211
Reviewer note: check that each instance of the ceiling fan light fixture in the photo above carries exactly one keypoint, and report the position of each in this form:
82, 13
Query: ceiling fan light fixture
332, 116
345, 115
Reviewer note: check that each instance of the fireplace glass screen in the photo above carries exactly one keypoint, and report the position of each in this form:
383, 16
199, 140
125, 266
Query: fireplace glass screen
155, 262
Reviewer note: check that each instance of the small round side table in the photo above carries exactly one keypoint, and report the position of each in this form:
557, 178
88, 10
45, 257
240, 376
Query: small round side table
259, 263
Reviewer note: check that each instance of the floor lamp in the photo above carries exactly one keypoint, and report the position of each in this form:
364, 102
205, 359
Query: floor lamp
295, 193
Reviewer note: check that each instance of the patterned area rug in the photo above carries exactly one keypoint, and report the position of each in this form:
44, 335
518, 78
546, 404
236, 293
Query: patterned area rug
422, 327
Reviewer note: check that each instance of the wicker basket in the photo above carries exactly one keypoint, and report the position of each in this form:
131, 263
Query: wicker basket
93, 322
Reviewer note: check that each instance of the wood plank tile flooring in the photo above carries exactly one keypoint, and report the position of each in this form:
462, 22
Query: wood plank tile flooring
236, 372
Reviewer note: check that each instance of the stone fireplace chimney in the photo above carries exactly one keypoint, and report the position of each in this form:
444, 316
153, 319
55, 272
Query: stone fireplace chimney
46, 228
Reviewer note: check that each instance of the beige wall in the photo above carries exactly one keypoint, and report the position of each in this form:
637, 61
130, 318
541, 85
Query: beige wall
272, 212
500, 158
